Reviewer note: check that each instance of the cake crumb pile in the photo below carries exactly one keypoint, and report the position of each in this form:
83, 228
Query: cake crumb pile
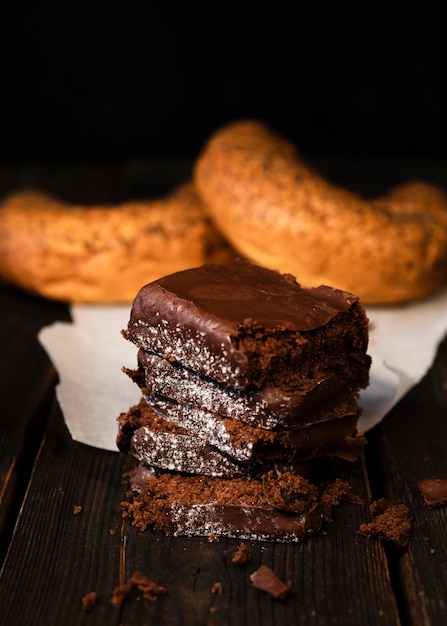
390, 522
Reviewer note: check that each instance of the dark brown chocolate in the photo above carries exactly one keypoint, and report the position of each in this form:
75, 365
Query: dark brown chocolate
163, 444
244, 325
242, 370
334, 435
279, 506
267, 407
433, 492
390, 522
181, 452
265, 579
189, 505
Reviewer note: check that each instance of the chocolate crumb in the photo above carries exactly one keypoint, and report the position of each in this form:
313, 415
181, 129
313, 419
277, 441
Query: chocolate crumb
336, 492
265, 579
149, 589
217, 588
391, 522
379, 506
433, 492
238, 555
289, 492
119, 594
89, 601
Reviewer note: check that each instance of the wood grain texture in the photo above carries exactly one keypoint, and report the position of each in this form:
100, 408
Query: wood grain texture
26, 387
56, 557
410, 445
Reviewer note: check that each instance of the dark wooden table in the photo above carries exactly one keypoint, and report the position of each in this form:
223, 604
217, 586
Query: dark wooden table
52, 557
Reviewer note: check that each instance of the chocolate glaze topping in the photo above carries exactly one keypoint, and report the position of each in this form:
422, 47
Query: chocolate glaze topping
219, 298
237, 322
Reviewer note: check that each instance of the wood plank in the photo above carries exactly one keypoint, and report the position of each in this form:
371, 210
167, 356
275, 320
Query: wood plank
26, 388
336, 577
411, 444
56, 557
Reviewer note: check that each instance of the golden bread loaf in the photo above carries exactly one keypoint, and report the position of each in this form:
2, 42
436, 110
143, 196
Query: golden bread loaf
279, 213
103, 254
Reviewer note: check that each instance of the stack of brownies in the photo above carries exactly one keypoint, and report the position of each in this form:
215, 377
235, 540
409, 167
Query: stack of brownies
244, 375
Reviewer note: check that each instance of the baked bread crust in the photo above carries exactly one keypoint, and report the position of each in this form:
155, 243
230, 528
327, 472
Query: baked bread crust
278, 212
103, 254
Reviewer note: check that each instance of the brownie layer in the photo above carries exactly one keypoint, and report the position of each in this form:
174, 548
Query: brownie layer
191, 505
247, 326
279, 506
335, 435
160, 443
267, 407
165, 445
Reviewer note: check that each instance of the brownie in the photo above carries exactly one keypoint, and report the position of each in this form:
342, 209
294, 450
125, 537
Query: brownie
173, 436
248, 326
166, 445
279, 506
333, 435
163, 444
268, 407
180, 504
244, 375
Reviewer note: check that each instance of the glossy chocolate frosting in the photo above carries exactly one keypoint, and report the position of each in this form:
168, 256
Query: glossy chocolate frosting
220, 298
240, 324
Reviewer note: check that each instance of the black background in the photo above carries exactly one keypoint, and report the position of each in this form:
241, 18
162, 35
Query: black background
83, 82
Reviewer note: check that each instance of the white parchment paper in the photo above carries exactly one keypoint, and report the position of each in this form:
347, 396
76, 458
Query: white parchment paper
89, 354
